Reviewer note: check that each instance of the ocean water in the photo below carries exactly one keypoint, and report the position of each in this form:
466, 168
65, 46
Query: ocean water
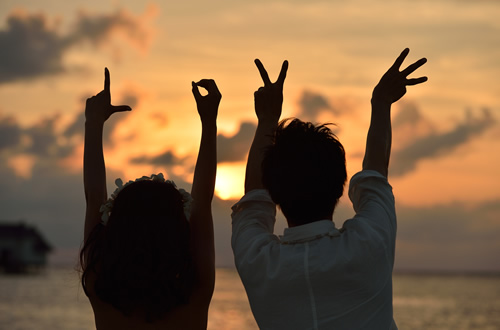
54, 300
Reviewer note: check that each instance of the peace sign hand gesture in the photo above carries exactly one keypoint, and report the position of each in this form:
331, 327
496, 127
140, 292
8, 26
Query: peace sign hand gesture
392, 85
98, 108
269, 98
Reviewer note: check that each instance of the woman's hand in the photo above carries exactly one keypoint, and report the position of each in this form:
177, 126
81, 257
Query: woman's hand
98, 108
207, 105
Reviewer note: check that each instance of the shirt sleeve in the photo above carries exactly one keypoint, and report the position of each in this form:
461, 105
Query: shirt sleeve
253, 220
373, 201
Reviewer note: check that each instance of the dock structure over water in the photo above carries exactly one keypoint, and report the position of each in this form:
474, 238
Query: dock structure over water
22, 247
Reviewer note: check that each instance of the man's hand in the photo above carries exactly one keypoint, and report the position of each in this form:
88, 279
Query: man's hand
208, 105
269, 98
392, 85
391, 88
98, 108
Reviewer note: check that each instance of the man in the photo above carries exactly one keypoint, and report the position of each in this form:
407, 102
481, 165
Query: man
316, 276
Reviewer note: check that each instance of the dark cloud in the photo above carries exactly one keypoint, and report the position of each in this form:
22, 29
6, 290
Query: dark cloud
235, 148
311, 105
52, 196
43, 140
408, 115
32, 46
110, 126
130, 99
77, 127
168, 158
432, 145
449, 237
10, 133
98, 28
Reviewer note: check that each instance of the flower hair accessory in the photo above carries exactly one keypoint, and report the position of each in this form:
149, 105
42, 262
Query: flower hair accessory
108, 206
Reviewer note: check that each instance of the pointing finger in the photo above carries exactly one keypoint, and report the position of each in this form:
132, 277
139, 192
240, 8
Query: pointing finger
415, 81
284, 69
106, 80
414, 66
120, 108
263, 72
400, 59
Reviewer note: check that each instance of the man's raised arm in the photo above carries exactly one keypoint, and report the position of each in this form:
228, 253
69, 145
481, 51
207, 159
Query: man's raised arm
268, 105
391, 87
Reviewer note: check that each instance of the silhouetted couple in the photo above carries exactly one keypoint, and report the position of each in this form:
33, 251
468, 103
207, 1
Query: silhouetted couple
148, 257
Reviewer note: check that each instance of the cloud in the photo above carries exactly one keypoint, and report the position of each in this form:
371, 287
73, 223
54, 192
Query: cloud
235, 148
409, 125
32, 46
43, 140
128, 96
433, 145
50, 195
168, 158
77, 127
311, 105
449, 237
409, 116
98, 28
10, 133
45, 143
131, 100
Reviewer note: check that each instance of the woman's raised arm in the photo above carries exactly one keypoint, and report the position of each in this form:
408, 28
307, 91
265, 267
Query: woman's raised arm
202, 232
97, 110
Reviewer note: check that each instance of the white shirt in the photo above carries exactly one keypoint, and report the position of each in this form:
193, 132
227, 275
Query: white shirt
316, 276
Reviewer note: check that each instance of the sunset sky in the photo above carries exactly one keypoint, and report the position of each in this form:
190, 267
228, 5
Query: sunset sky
446, 142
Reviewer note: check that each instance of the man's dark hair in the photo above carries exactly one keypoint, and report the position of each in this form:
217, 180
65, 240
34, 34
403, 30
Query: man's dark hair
304, 170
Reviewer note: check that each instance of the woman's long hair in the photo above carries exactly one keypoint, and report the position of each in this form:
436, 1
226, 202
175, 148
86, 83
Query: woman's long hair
140, 259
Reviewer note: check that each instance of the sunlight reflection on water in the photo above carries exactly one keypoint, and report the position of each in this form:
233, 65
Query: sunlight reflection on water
55, 300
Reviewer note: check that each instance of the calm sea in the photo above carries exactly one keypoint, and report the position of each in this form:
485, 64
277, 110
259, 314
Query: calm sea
54, 300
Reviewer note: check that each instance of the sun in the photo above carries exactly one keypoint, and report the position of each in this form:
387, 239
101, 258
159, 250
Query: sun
230, 180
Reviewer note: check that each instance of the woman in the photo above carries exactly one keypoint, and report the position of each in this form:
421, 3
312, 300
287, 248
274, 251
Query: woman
148, 255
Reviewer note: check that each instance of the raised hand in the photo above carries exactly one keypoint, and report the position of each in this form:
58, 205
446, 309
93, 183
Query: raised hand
269, 98
392, 85
208, 105
98, 108
201, 221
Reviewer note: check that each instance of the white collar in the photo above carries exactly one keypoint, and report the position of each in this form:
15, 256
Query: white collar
309, 232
